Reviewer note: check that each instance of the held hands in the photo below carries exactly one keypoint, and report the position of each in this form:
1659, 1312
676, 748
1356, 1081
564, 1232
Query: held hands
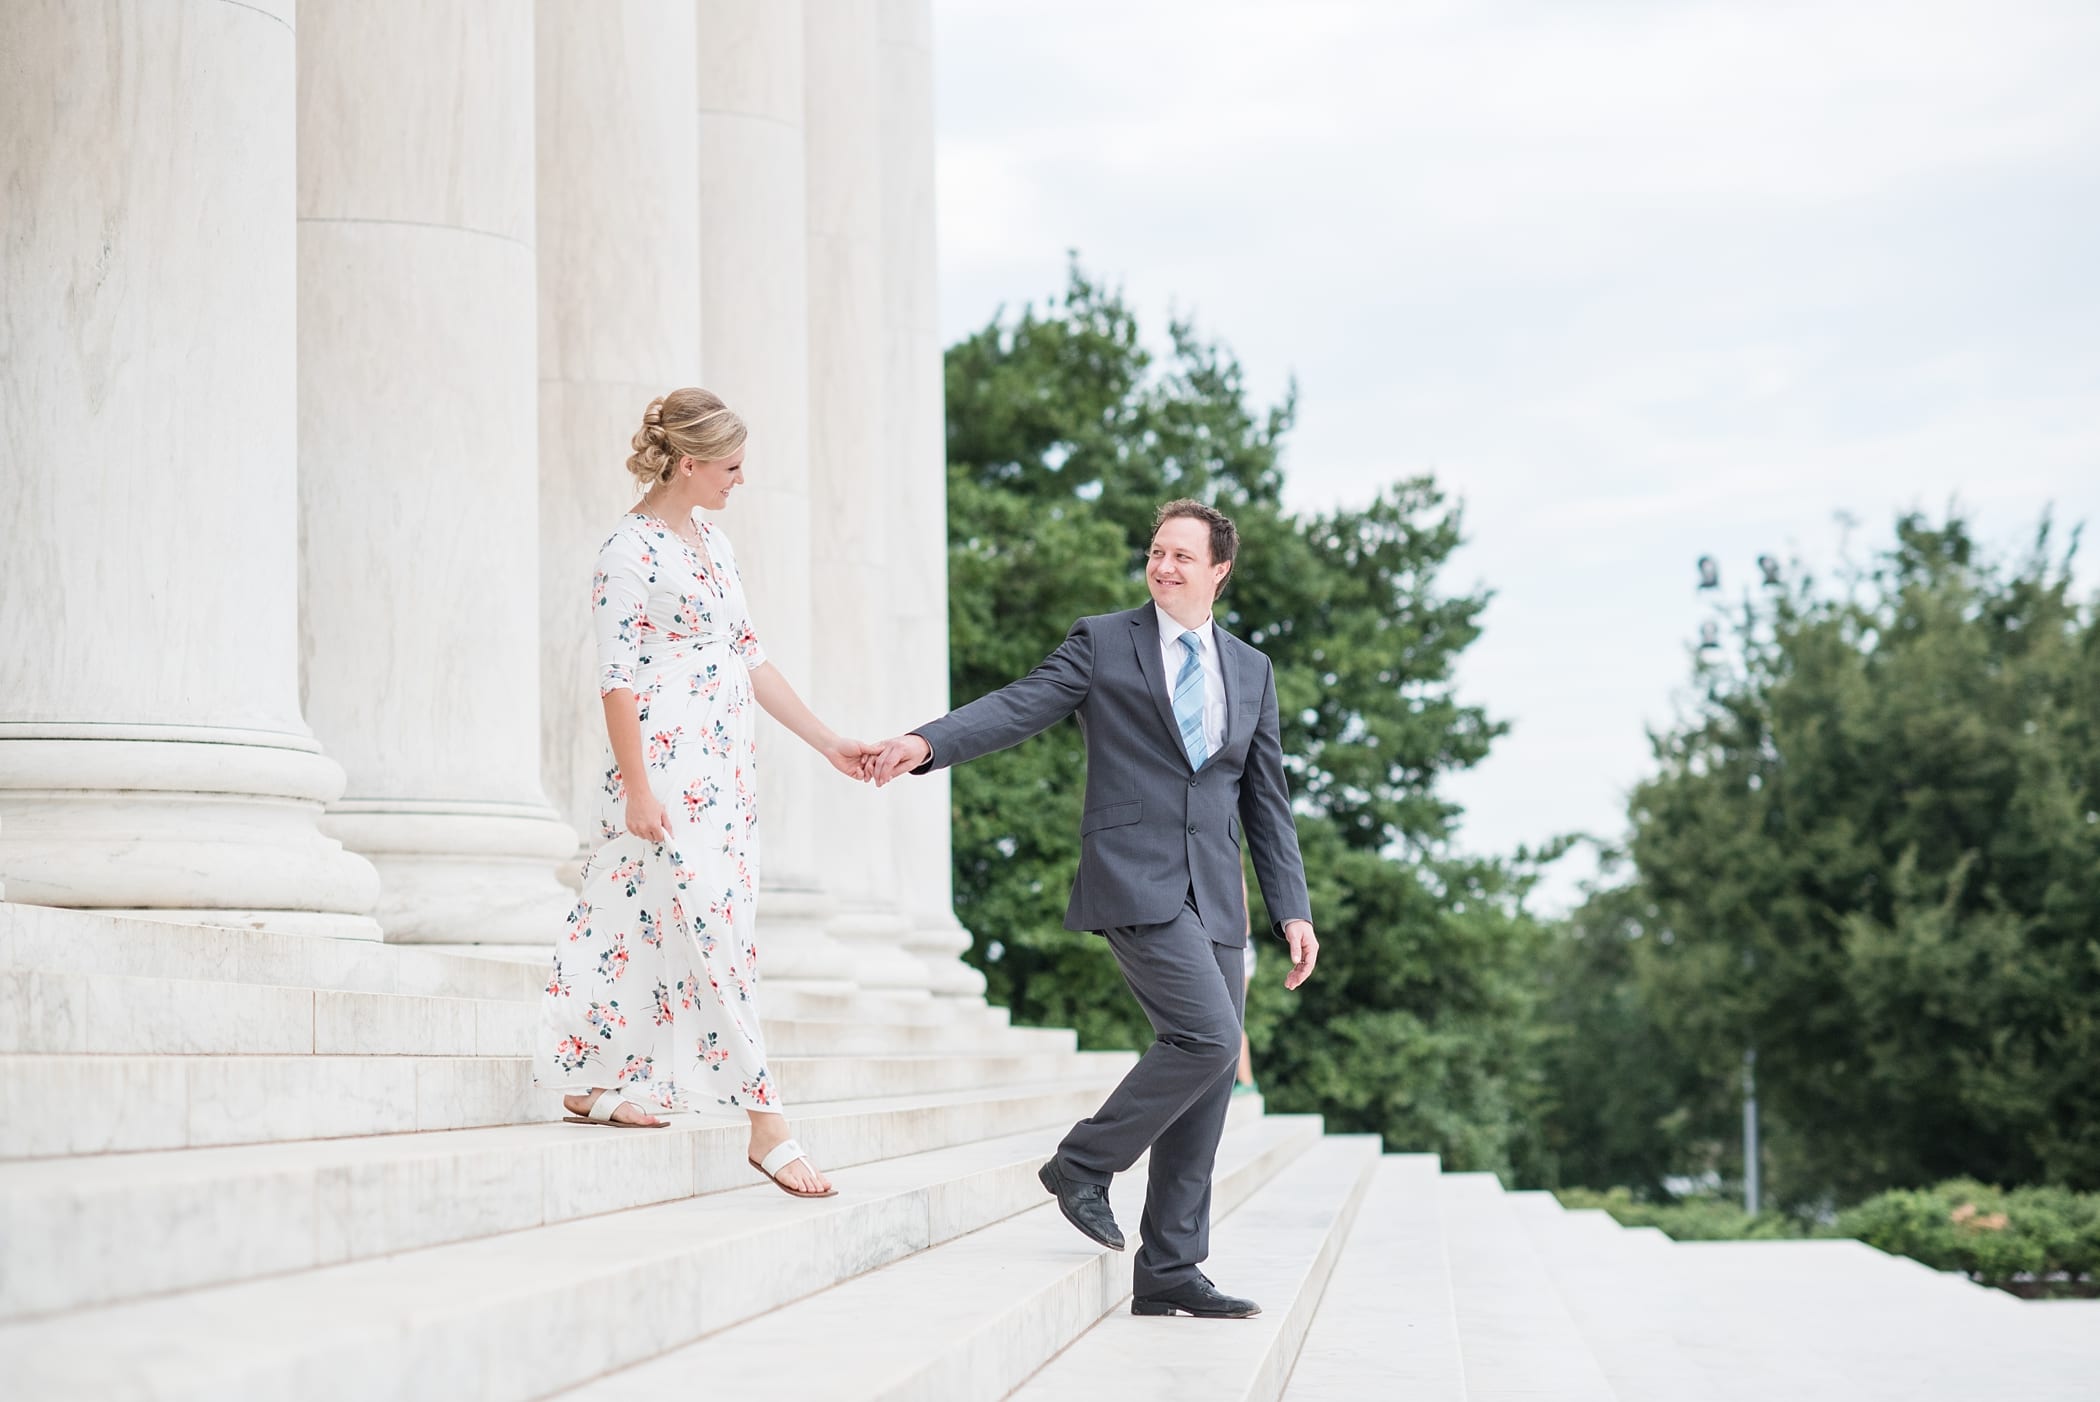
898, 757
874, 764
851, 758
1305, 951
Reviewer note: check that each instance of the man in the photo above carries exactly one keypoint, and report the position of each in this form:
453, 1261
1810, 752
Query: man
1183, 761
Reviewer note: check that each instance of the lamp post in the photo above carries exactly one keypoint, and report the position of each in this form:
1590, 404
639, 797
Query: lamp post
1710, 641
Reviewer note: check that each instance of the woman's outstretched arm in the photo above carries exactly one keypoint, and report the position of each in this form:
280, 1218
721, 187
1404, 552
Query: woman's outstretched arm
778, 696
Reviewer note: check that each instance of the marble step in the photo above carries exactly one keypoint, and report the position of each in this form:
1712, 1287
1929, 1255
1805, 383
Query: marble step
518, 1315
1278, 1250
1817, 1321
1871, 1268
60, 1105
1514, 1334
835, 1000
78, 942
1385, 1328
971, 1319
1611, 1296
53, 1013
83, 1231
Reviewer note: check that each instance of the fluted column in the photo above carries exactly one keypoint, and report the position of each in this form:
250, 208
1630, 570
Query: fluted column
152, 753
851, 471
418, 457
618, 194
917, 453
754, 325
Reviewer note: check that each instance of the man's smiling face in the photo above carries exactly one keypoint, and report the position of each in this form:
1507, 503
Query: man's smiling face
1183, 579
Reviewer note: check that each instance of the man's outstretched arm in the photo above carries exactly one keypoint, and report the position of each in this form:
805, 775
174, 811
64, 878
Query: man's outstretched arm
1015, 712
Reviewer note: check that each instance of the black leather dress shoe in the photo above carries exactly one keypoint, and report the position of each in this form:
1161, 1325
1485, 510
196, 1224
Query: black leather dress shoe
1200, 1298
1085, 1206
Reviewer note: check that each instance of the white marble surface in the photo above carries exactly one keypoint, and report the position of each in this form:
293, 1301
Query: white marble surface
618, 220
57, 1013
511, 1303
969, 1318
381, 1024
418, 112
418, 473
1515, 1333
1385, 1327
53, 1105
152, 751
1613, 1299
812, 1078
853, 473
915, 449
109, 1228
1278, 1250
1821, 1321
77, 941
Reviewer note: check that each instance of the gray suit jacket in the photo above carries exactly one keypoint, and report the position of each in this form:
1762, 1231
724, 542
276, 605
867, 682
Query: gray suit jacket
1153, 829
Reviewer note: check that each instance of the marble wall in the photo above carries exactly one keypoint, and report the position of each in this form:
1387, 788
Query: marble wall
152, 751
324, 333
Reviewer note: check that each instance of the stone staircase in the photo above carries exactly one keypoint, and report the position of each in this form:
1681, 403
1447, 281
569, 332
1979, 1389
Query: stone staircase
243, 1165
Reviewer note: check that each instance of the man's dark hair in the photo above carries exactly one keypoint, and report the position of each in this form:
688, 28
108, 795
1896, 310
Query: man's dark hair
1224, 536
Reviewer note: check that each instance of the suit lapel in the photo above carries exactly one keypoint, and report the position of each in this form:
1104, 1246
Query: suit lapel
1144, 632
1237, 701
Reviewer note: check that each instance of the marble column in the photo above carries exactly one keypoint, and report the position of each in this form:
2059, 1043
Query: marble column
418, 458
152, 752
618, 193
851, 474
916, 449
754, 330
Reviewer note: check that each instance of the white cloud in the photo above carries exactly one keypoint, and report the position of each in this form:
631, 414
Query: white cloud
1636, 278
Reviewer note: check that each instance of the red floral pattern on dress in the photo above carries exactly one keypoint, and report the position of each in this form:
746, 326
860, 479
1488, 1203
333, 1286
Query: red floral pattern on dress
672, 627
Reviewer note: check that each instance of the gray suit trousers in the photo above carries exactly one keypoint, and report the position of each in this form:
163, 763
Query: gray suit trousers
1173, 1102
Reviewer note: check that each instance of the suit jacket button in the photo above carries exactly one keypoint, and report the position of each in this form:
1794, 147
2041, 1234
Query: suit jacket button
1192, 783
1192, 827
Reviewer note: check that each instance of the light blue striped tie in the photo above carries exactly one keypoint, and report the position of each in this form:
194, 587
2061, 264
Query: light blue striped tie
1188, 701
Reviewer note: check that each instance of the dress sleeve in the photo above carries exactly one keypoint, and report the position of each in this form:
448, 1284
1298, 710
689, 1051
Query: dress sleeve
619, 602
741, 630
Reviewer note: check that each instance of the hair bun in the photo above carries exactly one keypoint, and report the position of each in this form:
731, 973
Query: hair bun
686, 423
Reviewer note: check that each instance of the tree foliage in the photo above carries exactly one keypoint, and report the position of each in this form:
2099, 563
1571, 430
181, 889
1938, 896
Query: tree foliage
1064, 436
1872, 851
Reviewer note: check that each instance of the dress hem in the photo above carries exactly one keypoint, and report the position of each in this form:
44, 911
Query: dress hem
682, 1104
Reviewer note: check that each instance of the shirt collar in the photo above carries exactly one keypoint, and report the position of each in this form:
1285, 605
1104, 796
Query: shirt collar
1172, 631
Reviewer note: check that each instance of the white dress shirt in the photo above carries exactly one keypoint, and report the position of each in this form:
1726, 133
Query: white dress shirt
1171, 655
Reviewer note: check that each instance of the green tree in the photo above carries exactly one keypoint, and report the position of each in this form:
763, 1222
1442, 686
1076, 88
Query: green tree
1873, 850
1623, 1109
1064, 436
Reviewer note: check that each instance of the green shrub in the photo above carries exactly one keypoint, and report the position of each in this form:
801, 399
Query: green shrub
1687, 1219
1991, 1234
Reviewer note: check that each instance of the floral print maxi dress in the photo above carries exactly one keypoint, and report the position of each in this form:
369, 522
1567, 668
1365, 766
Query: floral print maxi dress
654, 989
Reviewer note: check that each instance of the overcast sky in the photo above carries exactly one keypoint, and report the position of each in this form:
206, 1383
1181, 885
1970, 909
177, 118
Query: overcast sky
1635, 279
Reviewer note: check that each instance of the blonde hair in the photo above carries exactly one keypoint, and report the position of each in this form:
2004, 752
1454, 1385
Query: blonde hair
686, 423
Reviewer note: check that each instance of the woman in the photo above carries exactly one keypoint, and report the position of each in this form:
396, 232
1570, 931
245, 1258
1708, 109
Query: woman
654, 996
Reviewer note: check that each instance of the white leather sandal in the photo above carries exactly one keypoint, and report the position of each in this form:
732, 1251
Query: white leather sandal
606, 1105
783, 1154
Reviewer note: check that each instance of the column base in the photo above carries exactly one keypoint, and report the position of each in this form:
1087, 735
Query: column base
938, 940
461, 873
875, 941
224, 826
795, 945
307, 923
